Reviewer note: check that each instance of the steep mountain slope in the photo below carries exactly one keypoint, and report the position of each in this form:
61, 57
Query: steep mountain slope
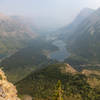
68, 30
85, 40
29, 22
27, 59
41, 84
13, 35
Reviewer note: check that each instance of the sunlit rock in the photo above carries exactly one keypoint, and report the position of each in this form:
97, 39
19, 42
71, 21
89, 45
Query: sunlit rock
7, 90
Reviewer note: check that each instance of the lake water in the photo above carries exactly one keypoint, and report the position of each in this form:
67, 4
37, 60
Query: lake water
60, 54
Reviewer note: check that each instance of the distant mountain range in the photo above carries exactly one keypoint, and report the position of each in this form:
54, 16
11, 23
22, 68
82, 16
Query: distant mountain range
67, 31
85, 40
82, 35
14, 34
22, 48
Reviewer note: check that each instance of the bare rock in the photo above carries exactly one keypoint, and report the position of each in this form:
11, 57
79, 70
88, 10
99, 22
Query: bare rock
7, 90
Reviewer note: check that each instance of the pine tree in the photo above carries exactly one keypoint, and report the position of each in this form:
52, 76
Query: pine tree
58, 91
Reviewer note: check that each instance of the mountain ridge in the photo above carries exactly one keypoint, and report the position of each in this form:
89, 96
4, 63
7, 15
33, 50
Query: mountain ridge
85, 40
14, 35
68, 30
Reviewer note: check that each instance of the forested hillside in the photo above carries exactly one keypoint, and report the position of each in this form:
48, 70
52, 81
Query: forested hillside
34, 56
41, 84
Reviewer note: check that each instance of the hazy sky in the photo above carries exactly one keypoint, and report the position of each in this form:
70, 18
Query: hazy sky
47, 12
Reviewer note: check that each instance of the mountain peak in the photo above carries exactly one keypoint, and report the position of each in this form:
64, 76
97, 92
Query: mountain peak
86, 12
87, 9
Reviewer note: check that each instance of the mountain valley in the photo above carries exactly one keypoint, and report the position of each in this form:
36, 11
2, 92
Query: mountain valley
61, 64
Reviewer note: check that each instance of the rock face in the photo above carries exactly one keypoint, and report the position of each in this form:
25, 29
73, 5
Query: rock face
70, 69
90, 72
7, 90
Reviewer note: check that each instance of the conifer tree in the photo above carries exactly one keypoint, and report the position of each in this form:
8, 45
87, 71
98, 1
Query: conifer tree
58, 91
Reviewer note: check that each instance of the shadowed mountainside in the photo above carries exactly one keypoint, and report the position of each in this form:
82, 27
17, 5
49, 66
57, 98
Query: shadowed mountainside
13, 35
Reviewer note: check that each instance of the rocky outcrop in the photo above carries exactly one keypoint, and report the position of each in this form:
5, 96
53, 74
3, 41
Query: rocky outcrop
70, 69
7, 90
90, 72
